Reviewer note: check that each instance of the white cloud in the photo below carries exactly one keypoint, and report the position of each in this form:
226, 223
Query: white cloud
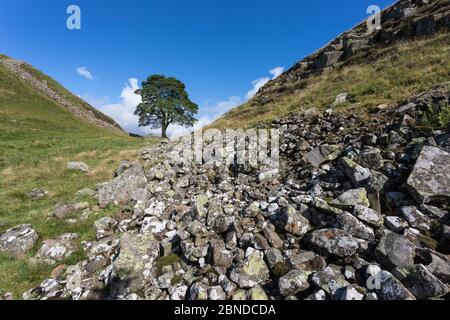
260, 82
84, 72
276, 72
123, 112
257, 84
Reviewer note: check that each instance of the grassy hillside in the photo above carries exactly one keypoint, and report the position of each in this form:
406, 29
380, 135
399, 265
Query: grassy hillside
385, 76
37, 138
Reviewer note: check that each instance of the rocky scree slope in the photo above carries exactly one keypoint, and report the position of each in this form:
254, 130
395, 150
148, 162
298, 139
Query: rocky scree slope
63, 98
358, 211
405, 20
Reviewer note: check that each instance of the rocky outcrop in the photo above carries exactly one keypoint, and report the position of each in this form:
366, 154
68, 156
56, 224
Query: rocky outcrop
405, 20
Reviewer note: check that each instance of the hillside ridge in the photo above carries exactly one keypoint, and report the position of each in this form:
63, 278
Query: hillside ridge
86, 113
404, 20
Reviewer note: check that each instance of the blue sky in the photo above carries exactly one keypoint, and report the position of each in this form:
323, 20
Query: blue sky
218, 48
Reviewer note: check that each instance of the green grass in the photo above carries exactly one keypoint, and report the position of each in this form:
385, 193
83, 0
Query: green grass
37, 139
386, 76
436, 119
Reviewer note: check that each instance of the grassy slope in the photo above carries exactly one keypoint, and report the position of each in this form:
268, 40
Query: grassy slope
37, 138
389, 75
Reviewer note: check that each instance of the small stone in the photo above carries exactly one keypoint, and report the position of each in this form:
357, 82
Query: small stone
369, 216
396, 224
353, 197
358, 174
415, 218
78, 166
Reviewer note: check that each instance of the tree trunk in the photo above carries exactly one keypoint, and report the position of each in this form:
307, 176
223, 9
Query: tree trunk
164, 131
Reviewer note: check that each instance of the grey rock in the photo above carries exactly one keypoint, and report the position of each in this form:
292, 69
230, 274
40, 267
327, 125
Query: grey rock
62, 211
293, 222
134, 264
415, 218
396, 224
429, 181
105, 227
369, 216
58, 249
420, 282
358, 174
395, 250
18, 241
293, 282
353, 197
334, 241
130, 185
78, 166
36, 194
388, 287
251, 271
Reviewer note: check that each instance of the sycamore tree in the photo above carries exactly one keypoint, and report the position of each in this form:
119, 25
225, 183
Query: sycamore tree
165, 102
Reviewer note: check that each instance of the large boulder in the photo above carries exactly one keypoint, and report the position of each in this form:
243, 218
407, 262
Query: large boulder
389, 287
18, 240
394, 250
430, 181
130, 185
334, 241
293, 222
293, 282
57, 249
251, 271
421, 282
134, 264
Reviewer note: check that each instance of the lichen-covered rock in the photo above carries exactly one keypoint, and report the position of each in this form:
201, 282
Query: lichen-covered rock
130, 185
395, 250
58, 249
421, 282
358, 174
369, 216
330, 281
293, 222
334, 241
389, 288
257, 293
251, 271
353, 197
134, 264
293, 282
429, 181
105, 227
18, 241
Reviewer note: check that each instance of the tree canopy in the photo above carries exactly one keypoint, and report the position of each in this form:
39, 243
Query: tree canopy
165, 102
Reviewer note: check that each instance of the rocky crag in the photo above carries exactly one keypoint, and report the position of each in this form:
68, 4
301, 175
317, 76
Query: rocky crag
358, 211
405, 20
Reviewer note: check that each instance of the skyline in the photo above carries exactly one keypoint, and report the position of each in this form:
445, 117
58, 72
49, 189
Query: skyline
223, 51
